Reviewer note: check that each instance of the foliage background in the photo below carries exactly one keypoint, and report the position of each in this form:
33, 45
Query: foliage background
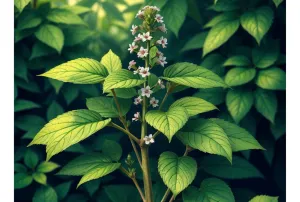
105, 25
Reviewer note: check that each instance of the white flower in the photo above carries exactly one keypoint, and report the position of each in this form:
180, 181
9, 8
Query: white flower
138, 38
145, 7
134, 28
159, 18
136, 116
163, 41
161, 84
148, 139
140, 14
163, 28
132, 47
146, 36
154, 102
161, 61
138, 100
146, 91
142, 52
159, 54
131, 64
155, 8
144, 71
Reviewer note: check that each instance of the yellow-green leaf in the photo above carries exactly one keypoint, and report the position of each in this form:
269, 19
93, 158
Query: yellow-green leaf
191, 75
52, 36
264, 198
121, 79
176, 172
239, 76
272, 78
111, 61
69, 129
207, 136
65, 17
168, 122
194, 105
78, 71
257, 22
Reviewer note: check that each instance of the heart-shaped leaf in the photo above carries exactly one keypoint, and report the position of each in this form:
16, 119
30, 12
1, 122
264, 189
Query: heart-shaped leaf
168, 122
176, 172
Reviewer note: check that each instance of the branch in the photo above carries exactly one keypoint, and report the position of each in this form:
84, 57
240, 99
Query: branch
130, 135
132, 177
131, 138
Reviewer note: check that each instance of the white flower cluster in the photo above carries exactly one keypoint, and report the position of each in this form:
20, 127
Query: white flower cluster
152, 22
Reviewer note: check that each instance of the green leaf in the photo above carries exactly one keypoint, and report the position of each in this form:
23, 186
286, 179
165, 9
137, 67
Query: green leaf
176, 172
266, 55
124, 93
99, 171
31, 159
237, 60
277, 2
56, 85
121, 79
54, 110
77, 9
124, 193
257, 22
31, 20
210, 189
69, 129
168, 122
62, 189
174, 13
46, 167
214, 62
226, 5
239, 103
21, 4
219, 34
239, 138
65, 17
264, 198
92, 186
20, 68
215, 96
52, 36
278, 129
22, 180
227, 16
240, 75
21, 105
191, 75
272, 78
40, 49
29, 122
84, 163
111, 61
45, 194
196, 42
19, 168
70, 93
220, 167
30, 86
112, 149
76, 35
106, 106
207, 136
40, 178
266, 103
194, 105
78, 71
112, 11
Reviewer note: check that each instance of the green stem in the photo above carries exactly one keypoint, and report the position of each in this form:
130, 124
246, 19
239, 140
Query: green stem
164, 99
146, 174
144, 148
